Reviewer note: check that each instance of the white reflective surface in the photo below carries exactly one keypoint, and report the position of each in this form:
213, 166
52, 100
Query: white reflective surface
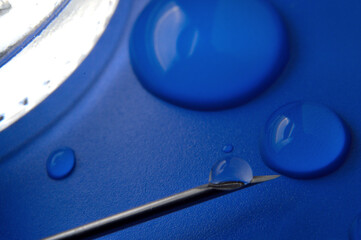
48, 60
4, 6
22, 17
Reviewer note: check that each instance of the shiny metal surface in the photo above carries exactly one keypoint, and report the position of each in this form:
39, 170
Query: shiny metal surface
156, 209
50, 58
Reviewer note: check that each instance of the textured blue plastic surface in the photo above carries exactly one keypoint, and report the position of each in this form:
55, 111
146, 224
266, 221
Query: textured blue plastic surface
60, 163
208, 54
304, 140
355, 229
133, 148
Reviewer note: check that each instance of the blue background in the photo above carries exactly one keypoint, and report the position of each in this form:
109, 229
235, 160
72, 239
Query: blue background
133, 148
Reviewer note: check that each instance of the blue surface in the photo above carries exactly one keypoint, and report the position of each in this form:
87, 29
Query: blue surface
355, 229
304, 140
133, 148
60, 163
231, 169
208, 54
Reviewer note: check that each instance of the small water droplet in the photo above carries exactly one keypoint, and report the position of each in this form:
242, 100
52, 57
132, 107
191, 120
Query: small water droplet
227, 148
231, 169
304, 140
2, 117
60, 163
355, 229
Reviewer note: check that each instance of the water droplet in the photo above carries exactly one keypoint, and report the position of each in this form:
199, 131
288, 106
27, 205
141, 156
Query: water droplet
2, 117
60, 163
231, 169
182, 52
227, 148
304, 140
355, 229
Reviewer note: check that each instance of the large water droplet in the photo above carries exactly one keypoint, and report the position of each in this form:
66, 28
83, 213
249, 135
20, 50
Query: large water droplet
208, 54
231, 169
304, 140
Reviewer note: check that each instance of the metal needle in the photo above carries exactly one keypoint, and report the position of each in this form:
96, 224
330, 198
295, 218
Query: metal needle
156, 209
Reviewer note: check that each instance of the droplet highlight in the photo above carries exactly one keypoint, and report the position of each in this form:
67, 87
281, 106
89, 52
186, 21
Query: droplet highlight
60, 163
304, 140
231, 169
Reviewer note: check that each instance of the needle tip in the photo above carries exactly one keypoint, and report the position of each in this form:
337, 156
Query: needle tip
239, 185
259, 179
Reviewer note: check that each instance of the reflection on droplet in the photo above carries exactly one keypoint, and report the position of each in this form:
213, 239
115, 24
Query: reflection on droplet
304, 140
355, 230
231, 169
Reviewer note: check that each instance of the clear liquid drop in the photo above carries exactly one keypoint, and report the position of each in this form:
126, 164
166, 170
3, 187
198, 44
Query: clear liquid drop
60, 163
231, 169
304, 140
227, 148
208, 56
